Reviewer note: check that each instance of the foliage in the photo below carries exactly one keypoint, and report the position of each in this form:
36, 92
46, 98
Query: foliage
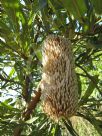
24, 25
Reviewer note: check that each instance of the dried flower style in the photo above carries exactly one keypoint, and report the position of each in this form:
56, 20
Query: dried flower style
59, 83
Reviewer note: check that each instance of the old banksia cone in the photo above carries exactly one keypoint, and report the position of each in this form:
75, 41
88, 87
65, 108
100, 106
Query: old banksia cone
59, 83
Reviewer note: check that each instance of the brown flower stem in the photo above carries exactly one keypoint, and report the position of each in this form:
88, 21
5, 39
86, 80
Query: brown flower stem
17, 131
31, 106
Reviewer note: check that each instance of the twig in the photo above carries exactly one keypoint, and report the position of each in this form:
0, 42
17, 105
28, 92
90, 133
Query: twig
31, 106
17, 131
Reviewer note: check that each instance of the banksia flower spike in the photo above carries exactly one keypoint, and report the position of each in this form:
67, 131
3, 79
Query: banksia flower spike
59, 83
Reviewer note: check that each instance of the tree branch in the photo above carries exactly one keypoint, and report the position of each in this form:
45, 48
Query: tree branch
31, 106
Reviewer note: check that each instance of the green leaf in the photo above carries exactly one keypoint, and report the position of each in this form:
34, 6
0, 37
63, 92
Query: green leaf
11, 73
70, 128
39, 55
78, 6
89, 90
6, 105
95, 122
7, 101
94, 42
42, 4
32, 120
57, 131
97, 4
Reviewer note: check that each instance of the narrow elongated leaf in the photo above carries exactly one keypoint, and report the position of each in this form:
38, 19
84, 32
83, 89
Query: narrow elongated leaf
78, 6
97, 4
57, 130
70, 128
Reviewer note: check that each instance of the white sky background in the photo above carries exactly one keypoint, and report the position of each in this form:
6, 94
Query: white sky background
8, 93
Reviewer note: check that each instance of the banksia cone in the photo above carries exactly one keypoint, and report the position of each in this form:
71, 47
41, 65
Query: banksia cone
59, 83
